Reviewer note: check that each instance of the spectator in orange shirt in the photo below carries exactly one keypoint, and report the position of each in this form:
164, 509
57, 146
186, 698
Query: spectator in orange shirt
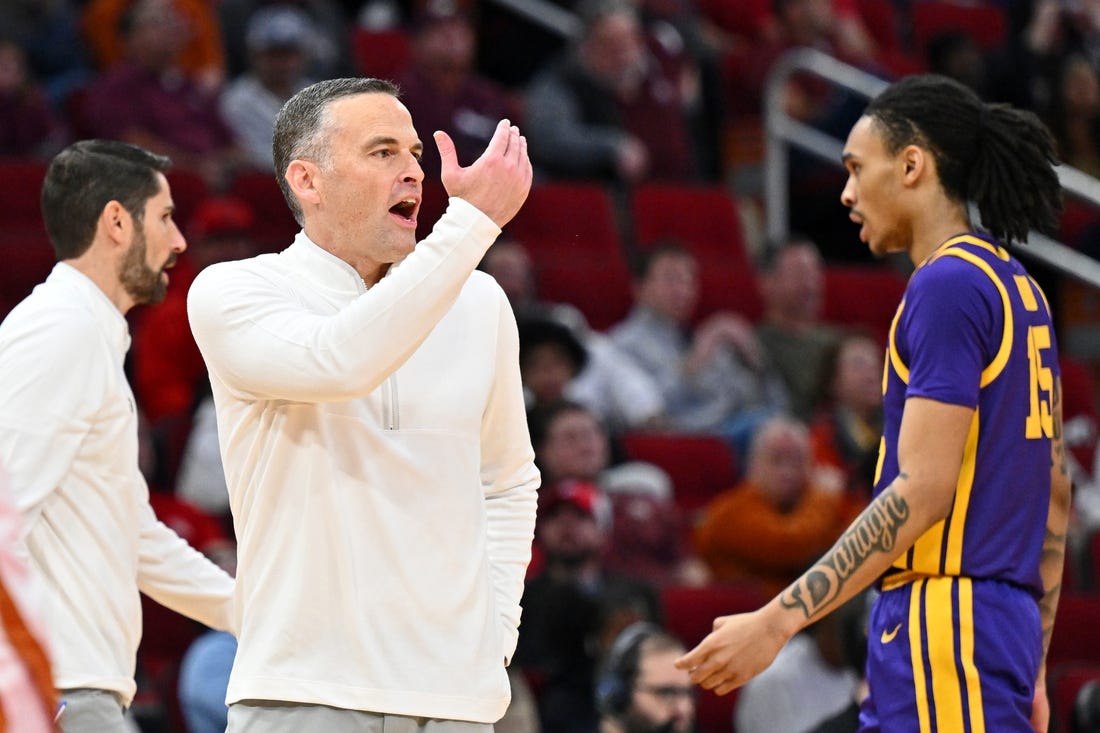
772, 525
202, 57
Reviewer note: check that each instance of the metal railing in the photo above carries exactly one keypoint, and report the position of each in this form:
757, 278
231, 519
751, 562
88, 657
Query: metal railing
546, 14
782, 132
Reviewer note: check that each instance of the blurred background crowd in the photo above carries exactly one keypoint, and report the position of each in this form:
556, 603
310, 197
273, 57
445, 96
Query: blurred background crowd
704, 402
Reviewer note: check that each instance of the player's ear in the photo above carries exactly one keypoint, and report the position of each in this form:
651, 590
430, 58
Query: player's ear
914, 160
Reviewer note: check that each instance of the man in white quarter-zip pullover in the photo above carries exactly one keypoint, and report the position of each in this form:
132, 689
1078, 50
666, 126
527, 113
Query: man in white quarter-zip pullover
372, 426
69, 437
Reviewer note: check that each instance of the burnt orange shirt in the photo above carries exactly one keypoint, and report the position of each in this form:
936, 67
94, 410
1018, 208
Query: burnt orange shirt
743, 536
204, 52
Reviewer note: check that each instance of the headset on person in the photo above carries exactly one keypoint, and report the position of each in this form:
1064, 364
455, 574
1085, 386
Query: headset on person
615, 684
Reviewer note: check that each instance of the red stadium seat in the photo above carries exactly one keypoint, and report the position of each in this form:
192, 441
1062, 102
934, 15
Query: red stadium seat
274, 227
188, 191
28, 258
1078, 217
745, 18
581, 212
705, 221
984, 22
1078, 393
1076, 630
700, 466
729, 289
600, 288
20, 188
381, 54
880, 17
689, 610
862, 296
703, 218
570, 231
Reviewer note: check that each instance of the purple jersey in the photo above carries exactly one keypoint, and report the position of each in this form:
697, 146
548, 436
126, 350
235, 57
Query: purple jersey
974, 329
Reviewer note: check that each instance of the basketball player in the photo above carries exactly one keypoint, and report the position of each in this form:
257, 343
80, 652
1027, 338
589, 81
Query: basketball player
966, 533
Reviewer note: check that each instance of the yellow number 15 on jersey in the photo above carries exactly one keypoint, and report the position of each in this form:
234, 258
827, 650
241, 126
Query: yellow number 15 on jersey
1040, 424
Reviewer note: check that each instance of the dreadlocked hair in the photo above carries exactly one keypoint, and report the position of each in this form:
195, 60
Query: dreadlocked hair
999, 157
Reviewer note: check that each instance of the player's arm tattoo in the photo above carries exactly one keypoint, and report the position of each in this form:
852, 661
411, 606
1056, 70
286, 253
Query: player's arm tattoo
1053, 554
874, 531
1054, 550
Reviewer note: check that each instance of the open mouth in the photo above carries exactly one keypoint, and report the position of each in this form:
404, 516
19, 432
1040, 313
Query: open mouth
405, 209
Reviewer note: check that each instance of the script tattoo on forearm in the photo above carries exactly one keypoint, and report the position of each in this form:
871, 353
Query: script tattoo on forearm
1054, 548
875, 530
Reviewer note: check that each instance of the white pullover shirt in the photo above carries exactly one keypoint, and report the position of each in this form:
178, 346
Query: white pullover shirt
69, 441
380, 473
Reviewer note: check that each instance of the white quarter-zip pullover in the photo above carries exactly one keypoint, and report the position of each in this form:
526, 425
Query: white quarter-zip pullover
380, 473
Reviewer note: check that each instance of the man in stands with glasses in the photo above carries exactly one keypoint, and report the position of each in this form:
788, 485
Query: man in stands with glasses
640, 689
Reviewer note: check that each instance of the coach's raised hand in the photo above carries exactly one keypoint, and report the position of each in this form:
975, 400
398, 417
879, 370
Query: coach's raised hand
497, 183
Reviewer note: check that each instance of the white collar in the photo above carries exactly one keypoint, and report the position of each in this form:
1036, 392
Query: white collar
106, 313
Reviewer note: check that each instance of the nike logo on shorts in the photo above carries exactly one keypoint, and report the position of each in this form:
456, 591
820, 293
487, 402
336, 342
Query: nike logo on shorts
888, 636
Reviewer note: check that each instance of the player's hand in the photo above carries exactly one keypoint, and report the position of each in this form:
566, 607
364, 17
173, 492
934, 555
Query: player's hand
1040, 706
497, 183
739, 648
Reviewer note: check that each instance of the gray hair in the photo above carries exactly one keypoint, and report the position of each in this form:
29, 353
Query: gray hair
301, 127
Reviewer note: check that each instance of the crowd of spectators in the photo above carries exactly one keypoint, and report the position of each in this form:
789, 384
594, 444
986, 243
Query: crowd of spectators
617, 93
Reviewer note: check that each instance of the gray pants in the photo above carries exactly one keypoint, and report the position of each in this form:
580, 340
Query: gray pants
268, 716
92, 711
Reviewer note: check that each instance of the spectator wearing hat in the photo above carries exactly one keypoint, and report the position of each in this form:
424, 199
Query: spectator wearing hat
549, 357
569, 602
167, 363
442, 89
280, 41
332, 56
